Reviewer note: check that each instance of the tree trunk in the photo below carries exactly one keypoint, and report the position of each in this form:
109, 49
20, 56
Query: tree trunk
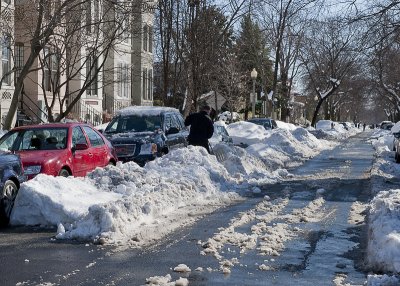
314, 119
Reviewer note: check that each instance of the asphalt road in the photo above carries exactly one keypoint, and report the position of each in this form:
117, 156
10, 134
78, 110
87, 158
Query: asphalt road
324, 245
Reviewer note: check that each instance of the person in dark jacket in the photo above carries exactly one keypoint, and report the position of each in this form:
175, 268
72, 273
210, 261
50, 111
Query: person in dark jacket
201, 127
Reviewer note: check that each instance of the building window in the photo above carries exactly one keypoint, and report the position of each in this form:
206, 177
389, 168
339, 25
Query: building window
144, 84
124, 83
89, 16
150, 85
19, 59
51, 66
6, 59
122, 20
96, 16
145, 38
92, 73
150, 39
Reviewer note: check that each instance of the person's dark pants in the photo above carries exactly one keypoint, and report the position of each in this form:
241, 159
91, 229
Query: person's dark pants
201, 143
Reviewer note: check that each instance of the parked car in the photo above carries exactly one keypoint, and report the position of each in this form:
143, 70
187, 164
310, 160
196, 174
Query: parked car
11, 177
268, 123
59, 149
142, 133
220, 134
386, 125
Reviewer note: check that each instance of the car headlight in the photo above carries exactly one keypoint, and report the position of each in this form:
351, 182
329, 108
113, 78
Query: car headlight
149, 148
32, 170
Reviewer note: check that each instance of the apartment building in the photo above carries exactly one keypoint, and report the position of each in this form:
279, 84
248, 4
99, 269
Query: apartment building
103, 81
6, 39
132, 60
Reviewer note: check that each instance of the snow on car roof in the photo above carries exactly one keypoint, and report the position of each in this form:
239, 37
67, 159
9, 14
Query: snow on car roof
145, 110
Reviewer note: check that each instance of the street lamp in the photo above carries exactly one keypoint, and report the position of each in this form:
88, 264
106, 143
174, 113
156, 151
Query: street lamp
253, 75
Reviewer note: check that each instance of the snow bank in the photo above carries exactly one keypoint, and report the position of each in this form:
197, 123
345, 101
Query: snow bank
129, 205
324, 130
284, 148
228, 117
384, 236
384, 213
284, 125
247, 133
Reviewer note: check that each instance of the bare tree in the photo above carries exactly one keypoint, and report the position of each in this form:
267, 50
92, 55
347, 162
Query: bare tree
230, 82
330, 52
81, 53
284, 21
74, 38
191, 34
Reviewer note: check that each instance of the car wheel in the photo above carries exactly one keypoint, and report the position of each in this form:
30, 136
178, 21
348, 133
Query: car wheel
164, 151
64, 173
8, 195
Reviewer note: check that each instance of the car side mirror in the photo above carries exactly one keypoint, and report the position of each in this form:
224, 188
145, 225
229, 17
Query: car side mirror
172, 130
80, 146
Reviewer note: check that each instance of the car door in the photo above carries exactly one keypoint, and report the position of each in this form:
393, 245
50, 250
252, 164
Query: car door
172, 140
81, 159
97, 147
183, 131
274, 125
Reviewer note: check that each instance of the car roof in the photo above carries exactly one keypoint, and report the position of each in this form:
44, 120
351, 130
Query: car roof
51, 125
259, 119
145, 110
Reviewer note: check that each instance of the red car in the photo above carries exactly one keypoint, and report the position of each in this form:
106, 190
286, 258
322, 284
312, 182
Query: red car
59, 149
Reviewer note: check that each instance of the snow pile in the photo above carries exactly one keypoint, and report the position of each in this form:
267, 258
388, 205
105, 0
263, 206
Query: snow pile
327, 129
383, 143
247, 133
382, 280
384, 225
127, 203
395, 128
284, 148
384, 213
166, 281
284, 125
242, 165
227, 116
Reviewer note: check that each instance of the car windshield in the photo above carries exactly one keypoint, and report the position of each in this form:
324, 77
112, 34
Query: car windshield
220, 130
34, 139
265, 123
134, 123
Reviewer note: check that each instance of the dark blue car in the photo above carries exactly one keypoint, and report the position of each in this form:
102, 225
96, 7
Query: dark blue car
11, 177
142, 133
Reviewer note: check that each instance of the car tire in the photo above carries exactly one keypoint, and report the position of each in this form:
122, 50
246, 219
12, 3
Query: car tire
64, 173
164, 151
8, 195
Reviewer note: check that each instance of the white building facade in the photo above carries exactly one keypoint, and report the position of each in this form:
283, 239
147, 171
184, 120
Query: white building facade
7, 50
124, 77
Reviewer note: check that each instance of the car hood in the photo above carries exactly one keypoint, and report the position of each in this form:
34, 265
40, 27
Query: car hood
137, 137
39, 157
